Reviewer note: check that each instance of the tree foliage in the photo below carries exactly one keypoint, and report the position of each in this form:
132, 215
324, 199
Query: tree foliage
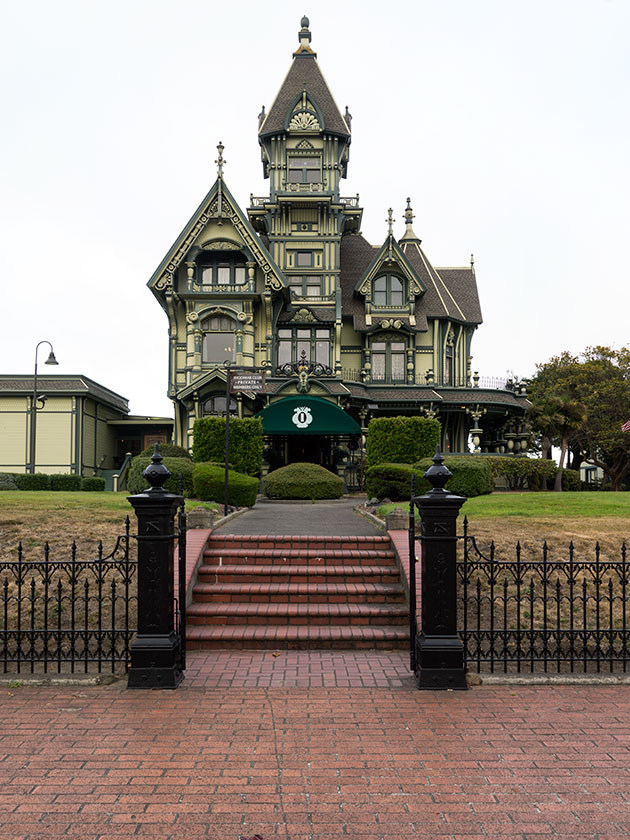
581, 402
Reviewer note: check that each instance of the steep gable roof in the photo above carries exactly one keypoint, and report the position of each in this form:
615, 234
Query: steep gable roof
218, 203
304, 75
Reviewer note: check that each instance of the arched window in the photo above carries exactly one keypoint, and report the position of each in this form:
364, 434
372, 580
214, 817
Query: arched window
216, 405
219, 341
388, 290
388, 360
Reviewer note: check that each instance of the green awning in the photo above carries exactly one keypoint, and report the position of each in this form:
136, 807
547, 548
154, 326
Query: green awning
306, 416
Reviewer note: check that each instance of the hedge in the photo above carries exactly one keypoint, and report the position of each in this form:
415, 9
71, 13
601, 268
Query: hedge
522, 473
65, 481
168, 450
389, 481
137, 484
401, 440
93, 483
303, 481
32, 481
472, 475
246, 442
209, 485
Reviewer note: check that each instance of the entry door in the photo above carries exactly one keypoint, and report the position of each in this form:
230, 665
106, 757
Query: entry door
158, 437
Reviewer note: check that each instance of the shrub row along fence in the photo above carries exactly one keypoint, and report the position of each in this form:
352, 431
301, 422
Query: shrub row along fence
73, 614
543, 615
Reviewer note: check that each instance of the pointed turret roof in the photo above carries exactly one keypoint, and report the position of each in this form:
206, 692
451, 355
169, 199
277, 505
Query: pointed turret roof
304, 75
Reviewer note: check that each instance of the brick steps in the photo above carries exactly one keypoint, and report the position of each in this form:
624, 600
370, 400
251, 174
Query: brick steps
295, 593
274, 637
298, 593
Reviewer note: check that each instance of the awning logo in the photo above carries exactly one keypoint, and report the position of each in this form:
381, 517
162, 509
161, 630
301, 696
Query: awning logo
302, 417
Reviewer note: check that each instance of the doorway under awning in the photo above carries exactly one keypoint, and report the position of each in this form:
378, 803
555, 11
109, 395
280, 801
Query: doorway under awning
307, 416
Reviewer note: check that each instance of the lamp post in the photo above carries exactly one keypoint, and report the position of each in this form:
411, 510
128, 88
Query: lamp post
49, 361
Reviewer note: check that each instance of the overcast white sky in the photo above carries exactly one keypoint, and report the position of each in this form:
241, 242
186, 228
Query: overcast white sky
507, 123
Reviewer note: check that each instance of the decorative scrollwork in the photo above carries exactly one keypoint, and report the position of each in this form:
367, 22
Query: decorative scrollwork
304, 122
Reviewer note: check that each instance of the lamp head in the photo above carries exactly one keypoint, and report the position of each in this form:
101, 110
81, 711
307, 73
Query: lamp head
51, 359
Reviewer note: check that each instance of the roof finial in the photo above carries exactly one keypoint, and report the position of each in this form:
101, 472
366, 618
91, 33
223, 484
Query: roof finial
472, 261
390, 222
220, 161
409, 235
304, 36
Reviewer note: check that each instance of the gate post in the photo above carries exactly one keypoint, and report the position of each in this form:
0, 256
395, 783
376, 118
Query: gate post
439, 650
155, 653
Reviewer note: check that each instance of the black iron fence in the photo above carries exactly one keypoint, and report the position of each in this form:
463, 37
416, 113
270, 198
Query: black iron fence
68, 614
543, 614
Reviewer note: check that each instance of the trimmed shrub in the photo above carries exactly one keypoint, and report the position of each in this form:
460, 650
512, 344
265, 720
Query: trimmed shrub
401, 440
209, 485
7, 481
36, 481
168, 450
524, 473
246, 442
65, 481
472, 475
389, 481
303, 481
93, 483
137, 484
571, 480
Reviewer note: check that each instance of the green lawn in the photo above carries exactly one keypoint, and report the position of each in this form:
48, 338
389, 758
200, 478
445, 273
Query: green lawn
18, 501
541, 505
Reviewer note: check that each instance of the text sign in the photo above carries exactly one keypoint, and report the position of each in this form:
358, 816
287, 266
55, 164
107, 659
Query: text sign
247, 381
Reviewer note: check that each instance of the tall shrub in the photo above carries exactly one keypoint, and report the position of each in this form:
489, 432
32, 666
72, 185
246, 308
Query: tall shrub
246, 442
401, 440
137, 484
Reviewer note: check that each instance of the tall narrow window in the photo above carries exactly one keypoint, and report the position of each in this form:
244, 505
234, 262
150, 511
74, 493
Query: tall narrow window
388, 290
219, 341
448, 365
388, 361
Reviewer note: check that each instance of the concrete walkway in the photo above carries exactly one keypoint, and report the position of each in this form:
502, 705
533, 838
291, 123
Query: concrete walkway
335, 517
219, 760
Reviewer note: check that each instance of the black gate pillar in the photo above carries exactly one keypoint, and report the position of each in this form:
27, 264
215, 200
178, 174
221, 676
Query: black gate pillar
155, 653
439, 650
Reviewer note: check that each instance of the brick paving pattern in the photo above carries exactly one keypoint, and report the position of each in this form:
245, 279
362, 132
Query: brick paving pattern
243, 748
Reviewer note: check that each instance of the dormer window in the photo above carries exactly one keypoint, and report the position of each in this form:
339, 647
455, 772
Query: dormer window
223, 273
388, 290
304, 170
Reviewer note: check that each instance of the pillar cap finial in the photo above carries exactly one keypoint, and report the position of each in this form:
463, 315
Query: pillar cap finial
438, 474
156, 474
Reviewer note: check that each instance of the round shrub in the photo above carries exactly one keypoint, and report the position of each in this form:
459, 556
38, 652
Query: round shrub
209, 485
521, 473
137, 484
472, 475
7, 482
571, 480
303, 481
65, 481
168, 450
93, 483
389, 481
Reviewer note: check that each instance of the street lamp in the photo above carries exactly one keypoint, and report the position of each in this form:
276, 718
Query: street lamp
34, 399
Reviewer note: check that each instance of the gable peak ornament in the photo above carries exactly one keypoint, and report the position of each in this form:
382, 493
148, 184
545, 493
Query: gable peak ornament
220, 161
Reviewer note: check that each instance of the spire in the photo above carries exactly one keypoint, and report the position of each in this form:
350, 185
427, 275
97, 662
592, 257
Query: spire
304, 36
409, 235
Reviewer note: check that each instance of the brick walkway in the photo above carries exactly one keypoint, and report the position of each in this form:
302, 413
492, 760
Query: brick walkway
234, 753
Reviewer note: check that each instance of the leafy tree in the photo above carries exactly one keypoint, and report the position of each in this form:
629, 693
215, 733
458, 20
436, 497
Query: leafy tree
581, 402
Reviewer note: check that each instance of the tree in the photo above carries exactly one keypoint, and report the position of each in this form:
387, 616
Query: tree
594, 390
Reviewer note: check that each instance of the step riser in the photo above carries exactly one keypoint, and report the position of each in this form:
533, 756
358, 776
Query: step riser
281, 577
293, 621
244, 598
296, 644
301, 543
251, 558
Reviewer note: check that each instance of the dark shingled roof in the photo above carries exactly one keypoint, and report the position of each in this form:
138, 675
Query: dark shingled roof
304, 73
457, 298
82, 385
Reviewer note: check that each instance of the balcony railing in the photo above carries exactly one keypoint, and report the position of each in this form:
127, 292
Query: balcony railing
247, 287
